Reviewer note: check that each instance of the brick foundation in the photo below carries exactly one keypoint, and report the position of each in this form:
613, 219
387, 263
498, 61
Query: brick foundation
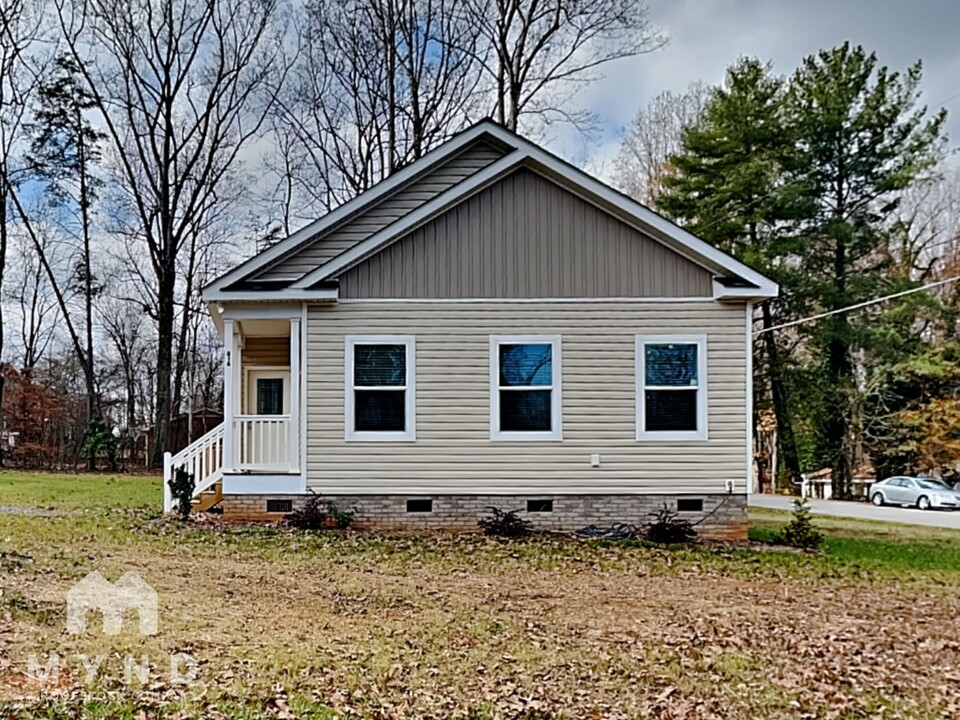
726, 515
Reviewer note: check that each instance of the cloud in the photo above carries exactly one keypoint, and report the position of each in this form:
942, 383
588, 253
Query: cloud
706, 36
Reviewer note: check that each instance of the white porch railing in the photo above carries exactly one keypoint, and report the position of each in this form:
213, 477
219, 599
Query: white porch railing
202, 458
262, 442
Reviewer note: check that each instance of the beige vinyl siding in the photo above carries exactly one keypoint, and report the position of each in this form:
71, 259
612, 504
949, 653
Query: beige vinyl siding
266, 351
525, 237
383, 213
453, 451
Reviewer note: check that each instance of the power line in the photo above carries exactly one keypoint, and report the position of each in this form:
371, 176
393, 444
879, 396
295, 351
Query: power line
864, 304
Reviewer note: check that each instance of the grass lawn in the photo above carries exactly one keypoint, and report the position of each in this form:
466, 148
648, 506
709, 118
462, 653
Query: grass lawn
284, 624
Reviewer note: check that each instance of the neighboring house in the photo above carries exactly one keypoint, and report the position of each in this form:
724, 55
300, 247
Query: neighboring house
490, 326
819, 484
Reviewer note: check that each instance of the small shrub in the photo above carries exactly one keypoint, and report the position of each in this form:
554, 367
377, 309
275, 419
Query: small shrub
505, 524
181, 487
800, 532
312, 516
341, 518
99, 441
668, 528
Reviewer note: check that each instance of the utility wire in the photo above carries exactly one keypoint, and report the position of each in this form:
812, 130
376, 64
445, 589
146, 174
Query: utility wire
864, 304
760, 198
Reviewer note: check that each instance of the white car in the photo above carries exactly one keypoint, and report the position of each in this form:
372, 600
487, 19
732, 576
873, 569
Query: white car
922, 493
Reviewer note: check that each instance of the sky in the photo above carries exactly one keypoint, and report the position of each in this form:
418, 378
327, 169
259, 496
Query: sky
706, 36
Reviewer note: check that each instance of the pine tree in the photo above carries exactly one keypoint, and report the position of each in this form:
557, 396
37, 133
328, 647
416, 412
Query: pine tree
729, 187
800, 531
862, 141
64, 152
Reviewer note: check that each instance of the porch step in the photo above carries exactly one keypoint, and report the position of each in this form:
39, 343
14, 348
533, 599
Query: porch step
208, 498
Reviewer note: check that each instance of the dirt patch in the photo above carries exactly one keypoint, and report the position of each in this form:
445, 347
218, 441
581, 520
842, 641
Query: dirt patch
467, 627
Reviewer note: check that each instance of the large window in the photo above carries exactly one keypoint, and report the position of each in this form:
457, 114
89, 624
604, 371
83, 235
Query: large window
525, 397
671, 387
380, 394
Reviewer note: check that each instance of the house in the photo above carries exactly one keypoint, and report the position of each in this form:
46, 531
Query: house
819, 484
489, 326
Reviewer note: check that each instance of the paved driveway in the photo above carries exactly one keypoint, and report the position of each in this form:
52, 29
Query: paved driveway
863, 511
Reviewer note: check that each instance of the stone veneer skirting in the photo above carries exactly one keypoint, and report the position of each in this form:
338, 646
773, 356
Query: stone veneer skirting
724, 516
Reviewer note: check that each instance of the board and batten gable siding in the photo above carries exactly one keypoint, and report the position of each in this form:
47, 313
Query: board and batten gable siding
525, 237
453, 452
441, 179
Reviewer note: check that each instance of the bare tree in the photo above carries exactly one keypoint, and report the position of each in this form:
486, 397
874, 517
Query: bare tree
927, 226
21, 28
378, 84
182, 87
123, 324
29, 291
537, 54
654, 135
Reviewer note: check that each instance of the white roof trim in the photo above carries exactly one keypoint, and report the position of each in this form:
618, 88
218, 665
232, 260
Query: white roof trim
284, 294
412, 219
381, 189
687, 244
674, 237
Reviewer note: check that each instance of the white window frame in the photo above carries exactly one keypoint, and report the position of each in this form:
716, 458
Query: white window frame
556, 396
702, 405
410, 389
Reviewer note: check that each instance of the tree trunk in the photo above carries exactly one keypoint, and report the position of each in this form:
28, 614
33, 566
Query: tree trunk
781, 405
3, 263
93, 409
165, 323
840, 371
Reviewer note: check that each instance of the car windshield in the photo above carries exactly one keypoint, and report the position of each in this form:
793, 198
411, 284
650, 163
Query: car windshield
933, 484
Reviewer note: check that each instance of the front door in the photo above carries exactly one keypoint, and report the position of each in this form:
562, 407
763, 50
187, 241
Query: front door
264, 440
268, 392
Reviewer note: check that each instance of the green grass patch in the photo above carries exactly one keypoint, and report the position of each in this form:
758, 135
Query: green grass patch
79, 492
875, 546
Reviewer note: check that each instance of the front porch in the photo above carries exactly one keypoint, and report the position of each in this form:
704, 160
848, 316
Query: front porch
258, 447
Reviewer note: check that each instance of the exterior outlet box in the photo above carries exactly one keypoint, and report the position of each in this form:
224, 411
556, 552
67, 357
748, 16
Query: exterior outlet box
595, 460
729, 486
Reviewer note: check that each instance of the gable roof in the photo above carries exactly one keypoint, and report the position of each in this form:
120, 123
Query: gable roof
241, 283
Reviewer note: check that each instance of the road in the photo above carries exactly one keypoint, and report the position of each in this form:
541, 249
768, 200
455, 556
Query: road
863, 511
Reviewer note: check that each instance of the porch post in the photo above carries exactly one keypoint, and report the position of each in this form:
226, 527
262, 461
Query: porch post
230, 362
293, 443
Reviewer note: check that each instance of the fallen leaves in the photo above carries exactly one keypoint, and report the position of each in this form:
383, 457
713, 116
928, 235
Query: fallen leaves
420, 627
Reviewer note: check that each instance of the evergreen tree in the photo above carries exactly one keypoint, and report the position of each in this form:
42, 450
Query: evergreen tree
862, 141
64, 151
729, 187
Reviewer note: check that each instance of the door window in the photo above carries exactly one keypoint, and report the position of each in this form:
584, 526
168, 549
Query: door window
269, 396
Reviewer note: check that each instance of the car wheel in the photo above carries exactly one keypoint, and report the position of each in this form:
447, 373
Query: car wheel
877, 499
923, 502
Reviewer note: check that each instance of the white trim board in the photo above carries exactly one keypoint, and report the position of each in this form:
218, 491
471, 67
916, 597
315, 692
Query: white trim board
264, 483
701, 433
522, 301
555, 387
749, 397
289, 244
409, 434
525, 153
